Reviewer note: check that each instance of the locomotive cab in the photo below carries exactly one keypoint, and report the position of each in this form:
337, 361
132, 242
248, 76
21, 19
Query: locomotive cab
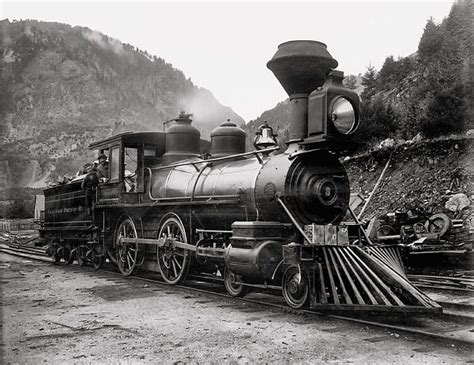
128, 156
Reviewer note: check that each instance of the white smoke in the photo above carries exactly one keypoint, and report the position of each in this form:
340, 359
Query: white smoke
28, 31
103, 41
206, 110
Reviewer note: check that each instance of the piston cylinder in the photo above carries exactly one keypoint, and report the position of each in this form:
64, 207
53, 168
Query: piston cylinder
256, 247
257, 262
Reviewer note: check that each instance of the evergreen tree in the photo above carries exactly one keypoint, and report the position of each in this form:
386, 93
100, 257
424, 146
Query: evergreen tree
444, 53
430, 42
369, 81
386, 76
350, 81
447, 113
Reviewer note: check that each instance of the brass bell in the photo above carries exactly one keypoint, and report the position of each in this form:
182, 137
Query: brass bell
264, 137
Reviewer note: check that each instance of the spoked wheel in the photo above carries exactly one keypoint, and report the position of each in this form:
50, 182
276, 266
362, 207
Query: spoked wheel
127, 253
55, 253
97, 260
234, 284
81, 255
173, 262
386, 230
68, 256
439, 224
56, 258
419, 228
295, 287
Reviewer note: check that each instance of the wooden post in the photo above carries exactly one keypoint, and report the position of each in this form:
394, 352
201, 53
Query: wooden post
376, 186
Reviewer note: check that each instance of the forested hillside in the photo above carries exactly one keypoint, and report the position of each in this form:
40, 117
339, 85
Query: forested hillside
63, 87
428, 93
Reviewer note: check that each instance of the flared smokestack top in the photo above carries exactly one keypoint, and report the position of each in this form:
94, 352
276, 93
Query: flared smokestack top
301, 66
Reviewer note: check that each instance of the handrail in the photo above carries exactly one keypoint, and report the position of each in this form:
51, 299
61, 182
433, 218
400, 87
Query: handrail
231, 157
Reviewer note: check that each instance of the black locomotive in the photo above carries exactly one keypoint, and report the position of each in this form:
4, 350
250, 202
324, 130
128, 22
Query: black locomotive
174, 203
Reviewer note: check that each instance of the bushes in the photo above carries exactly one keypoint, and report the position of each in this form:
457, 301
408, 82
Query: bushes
447, 113
20, 203
378, 119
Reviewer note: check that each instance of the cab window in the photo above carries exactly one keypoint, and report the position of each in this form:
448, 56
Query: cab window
114, 164
130, 160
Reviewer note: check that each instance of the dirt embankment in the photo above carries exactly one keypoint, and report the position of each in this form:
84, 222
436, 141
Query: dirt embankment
423, 175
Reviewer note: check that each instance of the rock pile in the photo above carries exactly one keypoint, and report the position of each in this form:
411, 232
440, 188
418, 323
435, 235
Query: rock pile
422, 175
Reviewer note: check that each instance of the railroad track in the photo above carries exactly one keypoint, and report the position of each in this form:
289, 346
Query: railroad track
26, 249
454, 326
454, 283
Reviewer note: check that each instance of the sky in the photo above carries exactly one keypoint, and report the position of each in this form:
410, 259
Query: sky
224, 45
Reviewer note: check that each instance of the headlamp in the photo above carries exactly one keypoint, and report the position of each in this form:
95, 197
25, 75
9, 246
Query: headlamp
343, 115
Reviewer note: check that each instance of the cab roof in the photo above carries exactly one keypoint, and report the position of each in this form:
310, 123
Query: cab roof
130, 139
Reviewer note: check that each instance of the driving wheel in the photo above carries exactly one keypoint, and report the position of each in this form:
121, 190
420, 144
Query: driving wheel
173, 261
126, 253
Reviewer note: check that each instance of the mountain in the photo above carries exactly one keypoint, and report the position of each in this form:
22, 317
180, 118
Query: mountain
64, 87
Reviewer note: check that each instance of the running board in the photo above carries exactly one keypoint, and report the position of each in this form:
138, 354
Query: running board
346, 278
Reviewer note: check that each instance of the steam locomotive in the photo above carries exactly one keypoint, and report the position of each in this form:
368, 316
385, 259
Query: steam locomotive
177, 204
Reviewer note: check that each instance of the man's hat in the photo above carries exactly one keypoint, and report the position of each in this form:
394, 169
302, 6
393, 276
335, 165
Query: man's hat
102, 157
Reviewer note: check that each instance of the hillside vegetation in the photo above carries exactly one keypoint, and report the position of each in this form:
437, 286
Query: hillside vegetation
64, 87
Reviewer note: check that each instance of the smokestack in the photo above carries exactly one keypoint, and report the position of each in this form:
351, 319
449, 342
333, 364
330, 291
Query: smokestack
301, 66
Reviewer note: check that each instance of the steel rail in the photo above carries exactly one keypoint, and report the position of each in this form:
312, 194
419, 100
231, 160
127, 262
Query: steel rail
283, 308
18, 253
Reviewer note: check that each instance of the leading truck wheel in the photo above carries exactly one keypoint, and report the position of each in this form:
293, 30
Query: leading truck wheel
126, 253
234, 285
295, 287
173, 261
